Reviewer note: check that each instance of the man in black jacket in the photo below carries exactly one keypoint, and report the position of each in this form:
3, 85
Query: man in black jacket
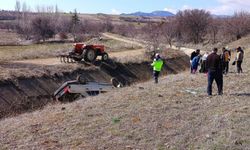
214, 66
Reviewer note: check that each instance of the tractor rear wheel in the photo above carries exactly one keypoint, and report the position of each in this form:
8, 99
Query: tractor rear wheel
105, 57
90, 55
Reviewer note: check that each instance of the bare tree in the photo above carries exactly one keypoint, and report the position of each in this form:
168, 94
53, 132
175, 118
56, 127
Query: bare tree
169, 31
153, 34
192, 24
42, 27
25, 29
18, 10
92, 28
238, 25
213, 29
18, 6
128, 30
108, 24
24, 11
63, 24
75, 24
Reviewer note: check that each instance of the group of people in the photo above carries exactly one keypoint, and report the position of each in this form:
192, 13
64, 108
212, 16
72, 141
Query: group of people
213, 64
197, 59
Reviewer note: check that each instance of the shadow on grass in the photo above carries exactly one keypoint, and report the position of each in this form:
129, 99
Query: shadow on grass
241, 94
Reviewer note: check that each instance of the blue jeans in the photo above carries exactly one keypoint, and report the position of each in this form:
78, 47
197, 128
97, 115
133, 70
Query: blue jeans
218, 77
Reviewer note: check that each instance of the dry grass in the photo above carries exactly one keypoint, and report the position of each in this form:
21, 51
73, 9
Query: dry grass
46, 50
12, 70
140, 55
8, 37
244, 41
175, 114
113, 45
33, 51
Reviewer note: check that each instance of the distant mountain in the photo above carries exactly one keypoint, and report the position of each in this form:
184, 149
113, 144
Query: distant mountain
152, 14
220, 16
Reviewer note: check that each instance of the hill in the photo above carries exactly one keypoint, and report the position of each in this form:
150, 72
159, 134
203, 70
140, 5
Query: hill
175, 114
152, 14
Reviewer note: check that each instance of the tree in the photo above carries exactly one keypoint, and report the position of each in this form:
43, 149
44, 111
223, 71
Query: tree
192, 24
24, 11
18, 9
25, 29
128, 30
108, 23
213, 29
75, 24
18, 6
169, 31
153, 34
42, 27
238, 25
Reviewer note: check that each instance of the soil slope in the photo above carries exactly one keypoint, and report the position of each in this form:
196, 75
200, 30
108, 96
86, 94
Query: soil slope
175, 114
24, 93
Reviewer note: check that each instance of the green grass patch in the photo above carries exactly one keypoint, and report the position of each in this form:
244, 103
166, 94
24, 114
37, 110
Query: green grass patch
116, 120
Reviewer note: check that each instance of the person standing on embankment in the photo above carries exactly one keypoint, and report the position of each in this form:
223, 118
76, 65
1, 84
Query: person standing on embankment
157, 66
193, 54
215, 72
239, 59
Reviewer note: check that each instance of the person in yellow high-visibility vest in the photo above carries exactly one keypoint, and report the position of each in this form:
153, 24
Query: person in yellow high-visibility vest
157, 66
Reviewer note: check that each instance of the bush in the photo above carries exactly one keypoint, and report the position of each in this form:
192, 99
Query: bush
63, 35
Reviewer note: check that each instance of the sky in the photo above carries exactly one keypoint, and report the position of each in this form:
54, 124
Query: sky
218, 7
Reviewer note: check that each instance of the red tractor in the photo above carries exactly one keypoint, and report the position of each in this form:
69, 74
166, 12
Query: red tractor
85, 52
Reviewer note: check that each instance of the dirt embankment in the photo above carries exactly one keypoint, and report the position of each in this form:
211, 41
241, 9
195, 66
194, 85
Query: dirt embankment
21, 94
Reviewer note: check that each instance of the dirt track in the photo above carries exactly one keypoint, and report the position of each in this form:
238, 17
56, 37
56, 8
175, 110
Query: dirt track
187, 51
115, 37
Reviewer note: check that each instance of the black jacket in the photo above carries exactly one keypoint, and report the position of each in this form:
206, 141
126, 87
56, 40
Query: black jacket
214, 62
193, 54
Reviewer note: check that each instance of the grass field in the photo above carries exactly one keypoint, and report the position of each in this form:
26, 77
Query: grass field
54, 49
113, 45
33, 51
8, 37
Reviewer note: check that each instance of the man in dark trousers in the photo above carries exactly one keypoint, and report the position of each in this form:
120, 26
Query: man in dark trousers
226, 55
193, 54
157, 66
215, 72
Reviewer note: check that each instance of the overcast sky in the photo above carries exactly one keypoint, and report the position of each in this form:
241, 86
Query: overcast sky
225, 7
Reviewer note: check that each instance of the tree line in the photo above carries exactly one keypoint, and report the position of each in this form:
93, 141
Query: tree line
187, 26
198, 26
48, 21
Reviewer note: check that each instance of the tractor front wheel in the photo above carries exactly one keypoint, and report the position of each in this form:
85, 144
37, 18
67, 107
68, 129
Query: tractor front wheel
105, 57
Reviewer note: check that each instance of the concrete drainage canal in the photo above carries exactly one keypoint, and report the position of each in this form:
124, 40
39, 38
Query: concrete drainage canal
23, 94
